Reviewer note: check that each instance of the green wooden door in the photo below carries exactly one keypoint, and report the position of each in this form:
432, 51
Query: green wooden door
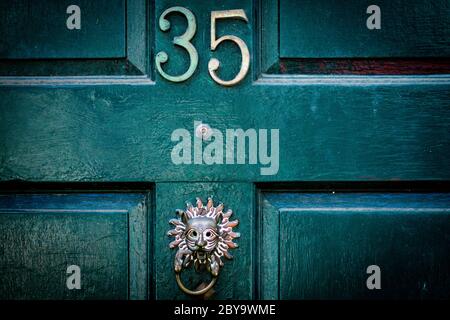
324, 127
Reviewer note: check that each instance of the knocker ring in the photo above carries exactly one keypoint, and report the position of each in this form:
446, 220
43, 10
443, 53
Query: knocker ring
197, 292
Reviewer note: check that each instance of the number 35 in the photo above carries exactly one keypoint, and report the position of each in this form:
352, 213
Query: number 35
184, 42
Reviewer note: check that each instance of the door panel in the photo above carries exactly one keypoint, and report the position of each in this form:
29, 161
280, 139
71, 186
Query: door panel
349, 108
37, 47
319, 246
39, 29
236, 277
336, 29
41, 235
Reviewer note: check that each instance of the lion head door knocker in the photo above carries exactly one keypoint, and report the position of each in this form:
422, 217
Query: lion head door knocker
203, 234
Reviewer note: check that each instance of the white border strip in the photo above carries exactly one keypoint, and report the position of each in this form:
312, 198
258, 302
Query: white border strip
75, 80
352, 80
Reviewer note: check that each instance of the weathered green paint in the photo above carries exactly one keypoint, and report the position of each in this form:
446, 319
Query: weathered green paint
37, 29
132, 68
328, 29
110, 121
104, 234
139, 249
318, 246
236, 277
326, 132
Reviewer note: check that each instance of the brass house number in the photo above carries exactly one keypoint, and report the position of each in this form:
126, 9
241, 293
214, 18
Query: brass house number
184, 41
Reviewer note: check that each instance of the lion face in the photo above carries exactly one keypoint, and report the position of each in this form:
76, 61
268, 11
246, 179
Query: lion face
201, 234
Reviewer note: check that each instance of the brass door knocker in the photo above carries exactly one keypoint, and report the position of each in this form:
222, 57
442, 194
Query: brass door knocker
203, 234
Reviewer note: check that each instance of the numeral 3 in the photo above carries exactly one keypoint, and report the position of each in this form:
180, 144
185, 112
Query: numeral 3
182, 41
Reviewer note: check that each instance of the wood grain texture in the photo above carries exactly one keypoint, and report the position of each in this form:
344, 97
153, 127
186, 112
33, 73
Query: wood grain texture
65, 67
336, 29
268, 237
347, 130
85, 66
326, 242
266, 46
42, 234
139, 250
236, 279
386, 66
326, 59
139, 34
37, 29
327, 132
104, 127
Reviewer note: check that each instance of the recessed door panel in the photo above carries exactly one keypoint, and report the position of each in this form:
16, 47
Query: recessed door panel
62, 29
44, 238
324, 246
351, 29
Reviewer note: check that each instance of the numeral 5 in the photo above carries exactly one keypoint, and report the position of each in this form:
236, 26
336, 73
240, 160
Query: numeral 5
214, 64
